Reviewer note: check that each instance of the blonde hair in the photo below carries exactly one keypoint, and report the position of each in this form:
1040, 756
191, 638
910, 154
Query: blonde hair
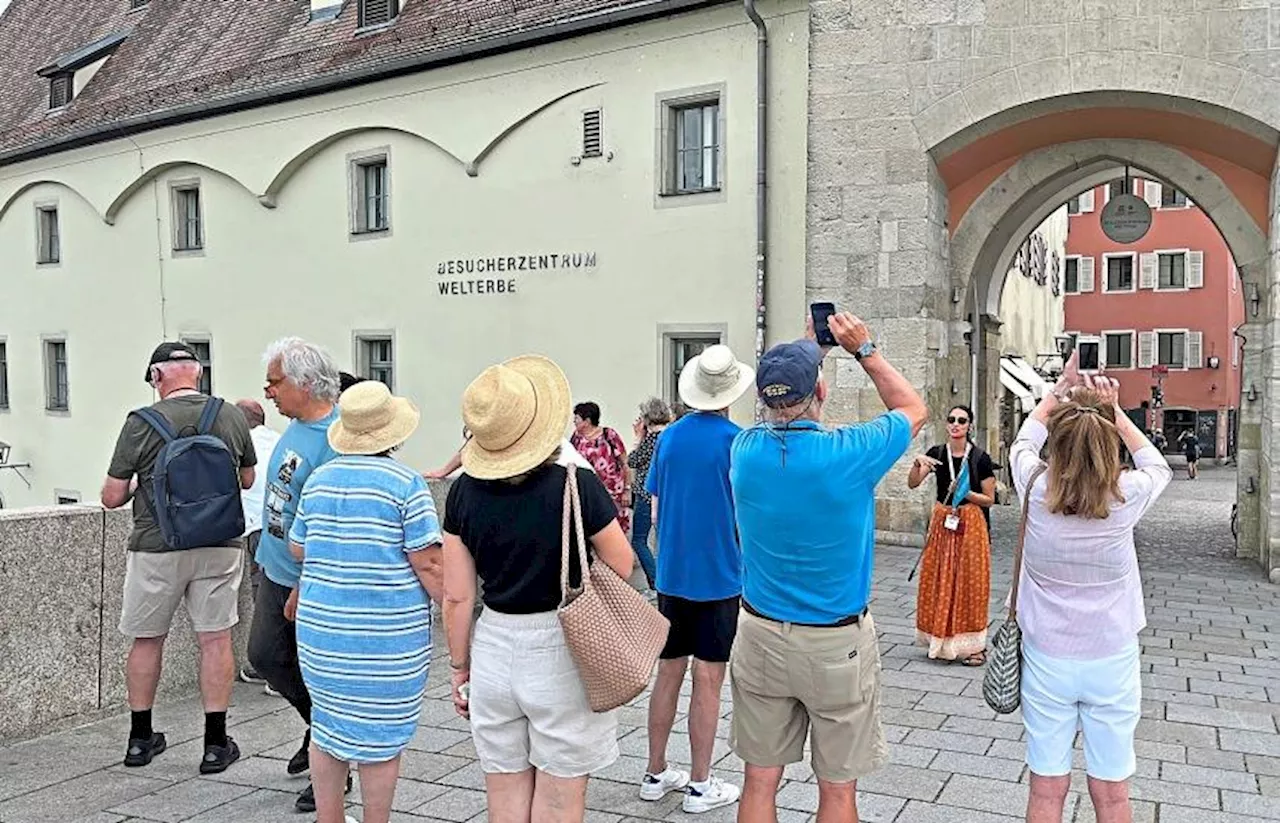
1084, 457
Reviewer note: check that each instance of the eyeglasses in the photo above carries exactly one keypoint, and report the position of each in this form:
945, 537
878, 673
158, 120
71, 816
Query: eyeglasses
957, 421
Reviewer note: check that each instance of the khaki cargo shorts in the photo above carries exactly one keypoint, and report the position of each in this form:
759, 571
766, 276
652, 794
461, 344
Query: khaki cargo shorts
156, 582
791, 682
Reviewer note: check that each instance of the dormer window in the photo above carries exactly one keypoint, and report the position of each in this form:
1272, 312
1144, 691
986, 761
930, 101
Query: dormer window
137, 4
377, 12
61, 90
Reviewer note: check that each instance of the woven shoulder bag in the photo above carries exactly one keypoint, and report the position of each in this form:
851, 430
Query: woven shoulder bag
614, 634
1002, 682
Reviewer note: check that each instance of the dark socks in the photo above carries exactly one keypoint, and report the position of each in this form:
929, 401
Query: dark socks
140, 725
215, 728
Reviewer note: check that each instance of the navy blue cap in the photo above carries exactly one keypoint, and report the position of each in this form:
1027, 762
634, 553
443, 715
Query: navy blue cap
788, 373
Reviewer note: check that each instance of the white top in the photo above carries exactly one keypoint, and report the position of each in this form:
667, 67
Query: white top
264, 442
1080, 596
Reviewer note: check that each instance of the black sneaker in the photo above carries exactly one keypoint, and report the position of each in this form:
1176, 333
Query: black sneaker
301, 760
218, 758
306, 801
141, 751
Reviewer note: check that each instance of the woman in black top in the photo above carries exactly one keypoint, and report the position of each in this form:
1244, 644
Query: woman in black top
955, 570
535, 734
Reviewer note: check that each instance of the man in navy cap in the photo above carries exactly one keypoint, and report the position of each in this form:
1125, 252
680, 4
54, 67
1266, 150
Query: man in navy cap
806, 663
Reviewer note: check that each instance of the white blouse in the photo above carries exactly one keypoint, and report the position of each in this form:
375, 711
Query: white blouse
1080, 596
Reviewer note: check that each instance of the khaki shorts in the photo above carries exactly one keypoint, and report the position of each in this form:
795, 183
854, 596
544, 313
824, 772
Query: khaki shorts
156, 582
791, 682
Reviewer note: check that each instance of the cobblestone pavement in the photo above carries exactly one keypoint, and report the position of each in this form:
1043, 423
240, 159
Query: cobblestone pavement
1208, 746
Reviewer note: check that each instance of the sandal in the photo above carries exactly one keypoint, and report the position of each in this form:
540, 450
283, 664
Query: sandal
976, 659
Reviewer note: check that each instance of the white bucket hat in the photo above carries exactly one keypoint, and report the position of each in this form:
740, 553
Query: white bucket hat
715, 379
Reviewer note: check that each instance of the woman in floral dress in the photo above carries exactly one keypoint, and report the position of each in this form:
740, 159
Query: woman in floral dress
604, 449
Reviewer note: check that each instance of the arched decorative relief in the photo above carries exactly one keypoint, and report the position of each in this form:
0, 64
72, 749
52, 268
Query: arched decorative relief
152, 173
26, 187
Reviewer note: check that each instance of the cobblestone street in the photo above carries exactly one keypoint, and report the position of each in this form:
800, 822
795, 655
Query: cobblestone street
1208, 746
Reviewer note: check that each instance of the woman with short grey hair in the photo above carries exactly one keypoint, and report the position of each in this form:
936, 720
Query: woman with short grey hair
655, 415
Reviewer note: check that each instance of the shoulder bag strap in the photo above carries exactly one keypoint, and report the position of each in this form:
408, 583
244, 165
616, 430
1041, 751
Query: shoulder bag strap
955, 481
1022, 539
156, 420
565, 526
210, 415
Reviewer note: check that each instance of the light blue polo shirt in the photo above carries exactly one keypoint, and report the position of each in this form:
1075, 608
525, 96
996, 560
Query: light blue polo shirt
302, 449
805, 501
698, 554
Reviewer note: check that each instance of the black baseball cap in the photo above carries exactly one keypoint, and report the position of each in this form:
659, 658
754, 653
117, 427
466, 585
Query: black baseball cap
788, 373
166, 352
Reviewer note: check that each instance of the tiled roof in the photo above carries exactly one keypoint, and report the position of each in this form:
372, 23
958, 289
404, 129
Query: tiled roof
182, 55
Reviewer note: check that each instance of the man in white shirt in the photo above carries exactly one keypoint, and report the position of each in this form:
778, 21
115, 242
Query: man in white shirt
253, 498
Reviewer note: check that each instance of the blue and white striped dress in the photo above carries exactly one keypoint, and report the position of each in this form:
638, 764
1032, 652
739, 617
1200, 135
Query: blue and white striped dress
364, 619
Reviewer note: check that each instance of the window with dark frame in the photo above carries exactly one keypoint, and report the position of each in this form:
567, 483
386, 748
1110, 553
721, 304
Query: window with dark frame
4, 374
684, 348
1073, 205
1071, 276
1173, 271
372, 196
1171, 349
1119, 351
1172, 198
204, 354
49, 245
378, 356
1118, 187
188, 222
1120, 273
57, 390
377, 12
695, 152
61, 90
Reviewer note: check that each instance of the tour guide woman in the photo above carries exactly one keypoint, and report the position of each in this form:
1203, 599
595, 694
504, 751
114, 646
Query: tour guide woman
955, 571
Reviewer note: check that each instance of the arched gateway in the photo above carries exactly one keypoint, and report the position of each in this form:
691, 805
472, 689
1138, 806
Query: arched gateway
941, 133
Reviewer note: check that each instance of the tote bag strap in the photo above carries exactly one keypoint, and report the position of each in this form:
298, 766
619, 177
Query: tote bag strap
571, 524
1022, 540
955, 481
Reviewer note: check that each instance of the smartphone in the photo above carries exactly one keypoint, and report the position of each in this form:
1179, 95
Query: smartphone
1089, 355
821, 315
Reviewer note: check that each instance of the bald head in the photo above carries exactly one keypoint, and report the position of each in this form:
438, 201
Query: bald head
252, 412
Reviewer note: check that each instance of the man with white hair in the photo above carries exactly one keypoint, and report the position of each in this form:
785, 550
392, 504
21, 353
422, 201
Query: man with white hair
303, 382
159, 576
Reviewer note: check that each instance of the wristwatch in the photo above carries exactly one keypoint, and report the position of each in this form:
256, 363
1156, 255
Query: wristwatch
865, 350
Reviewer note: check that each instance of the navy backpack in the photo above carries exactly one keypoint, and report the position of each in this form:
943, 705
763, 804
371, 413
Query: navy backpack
195, 484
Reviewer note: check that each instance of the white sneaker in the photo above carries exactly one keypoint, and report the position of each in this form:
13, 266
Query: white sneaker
656, 786
270, 692
713, 794
351, 819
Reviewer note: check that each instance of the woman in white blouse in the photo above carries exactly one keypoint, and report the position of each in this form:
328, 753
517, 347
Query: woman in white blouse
1080, 598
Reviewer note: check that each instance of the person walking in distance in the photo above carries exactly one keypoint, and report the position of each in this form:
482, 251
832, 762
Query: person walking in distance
699, 573
1191, 450
806, 662
264, 443
157, 576
303, 382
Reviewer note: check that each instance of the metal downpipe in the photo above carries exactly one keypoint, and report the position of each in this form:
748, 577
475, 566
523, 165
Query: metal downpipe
762, 173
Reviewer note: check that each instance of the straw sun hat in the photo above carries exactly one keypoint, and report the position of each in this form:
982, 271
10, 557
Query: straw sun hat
715, 379
517, 412
371, 420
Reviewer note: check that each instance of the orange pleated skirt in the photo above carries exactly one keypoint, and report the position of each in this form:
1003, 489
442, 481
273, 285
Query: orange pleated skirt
955, 585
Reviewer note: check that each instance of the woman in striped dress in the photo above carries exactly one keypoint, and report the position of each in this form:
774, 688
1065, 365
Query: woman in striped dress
367, 534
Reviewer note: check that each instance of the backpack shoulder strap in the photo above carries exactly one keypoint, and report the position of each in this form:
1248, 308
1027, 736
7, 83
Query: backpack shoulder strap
156, 421
210, 415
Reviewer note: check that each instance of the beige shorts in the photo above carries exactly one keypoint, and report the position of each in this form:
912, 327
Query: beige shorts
156, 582
791, 682
528, 706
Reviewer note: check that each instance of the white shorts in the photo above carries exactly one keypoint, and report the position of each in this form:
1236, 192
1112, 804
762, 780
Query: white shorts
528, 705
1102, 698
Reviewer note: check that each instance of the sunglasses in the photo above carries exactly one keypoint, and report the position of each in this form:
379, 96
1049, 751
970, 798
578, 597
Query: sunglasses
957, 421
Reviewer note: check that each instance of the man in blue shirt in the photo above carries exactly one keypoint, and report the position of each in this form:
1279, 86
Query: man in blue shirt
303, 382
699, 576
806, 663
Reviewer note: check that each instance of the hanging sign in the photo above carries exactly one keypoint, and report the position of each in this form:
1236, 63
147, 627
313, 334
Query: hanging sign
1126, 218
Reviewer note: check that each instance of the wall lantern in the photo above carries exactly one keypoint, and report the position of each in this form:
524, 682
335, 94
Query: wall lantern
1255, 299
1252, 394
1214, 362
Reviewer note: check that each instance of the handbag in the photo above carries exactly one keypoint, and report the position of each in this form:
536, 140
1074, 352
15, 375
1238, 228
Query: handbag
613, 633
1002, 682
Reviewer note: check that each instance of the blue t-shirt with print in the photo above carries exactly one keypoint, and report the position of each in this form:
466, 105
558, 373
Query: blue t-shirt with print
302, 449
698, 554
805, 498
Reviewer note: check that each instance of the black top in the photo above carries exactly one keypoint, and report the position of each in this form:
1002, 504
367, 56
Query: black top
513, 532
639, 460
981, 468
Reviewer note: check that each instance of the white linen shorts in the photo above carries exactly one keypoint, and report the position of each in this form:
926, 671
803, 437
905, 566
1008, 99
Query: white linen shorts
1101, 698
528, 705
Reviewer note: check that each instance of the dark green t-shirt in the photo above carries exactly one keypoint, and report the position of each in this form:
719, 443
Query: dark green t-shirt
139, 445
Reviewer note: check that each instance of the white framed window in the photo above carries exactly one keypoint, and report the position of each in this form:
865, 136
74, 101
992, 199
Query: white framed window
48, 235
1171, 270
57, 387
691, 145
1118, 273
375, 354
188, 217
377, 12
1171, 198
1172, 274
680, 344
1177, 349
1117, 349
1171, 349
1116, 188
203, 347
4, 373
370, 183
1077, 274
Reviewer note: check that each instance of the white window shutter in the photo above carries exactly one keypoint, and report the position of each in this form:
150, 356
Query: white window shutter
1150, 271
1146, 349
1195, 270
1151, 193
1085, 273
1086, 201
1195, 349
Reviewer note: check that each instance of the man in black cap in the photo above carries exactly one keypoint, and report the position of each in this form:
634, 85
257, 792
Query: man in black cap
158, 578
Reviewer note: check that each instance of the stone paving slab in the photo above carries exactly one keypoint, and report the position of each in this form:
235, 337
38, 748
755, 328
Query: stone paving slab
1208, 746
